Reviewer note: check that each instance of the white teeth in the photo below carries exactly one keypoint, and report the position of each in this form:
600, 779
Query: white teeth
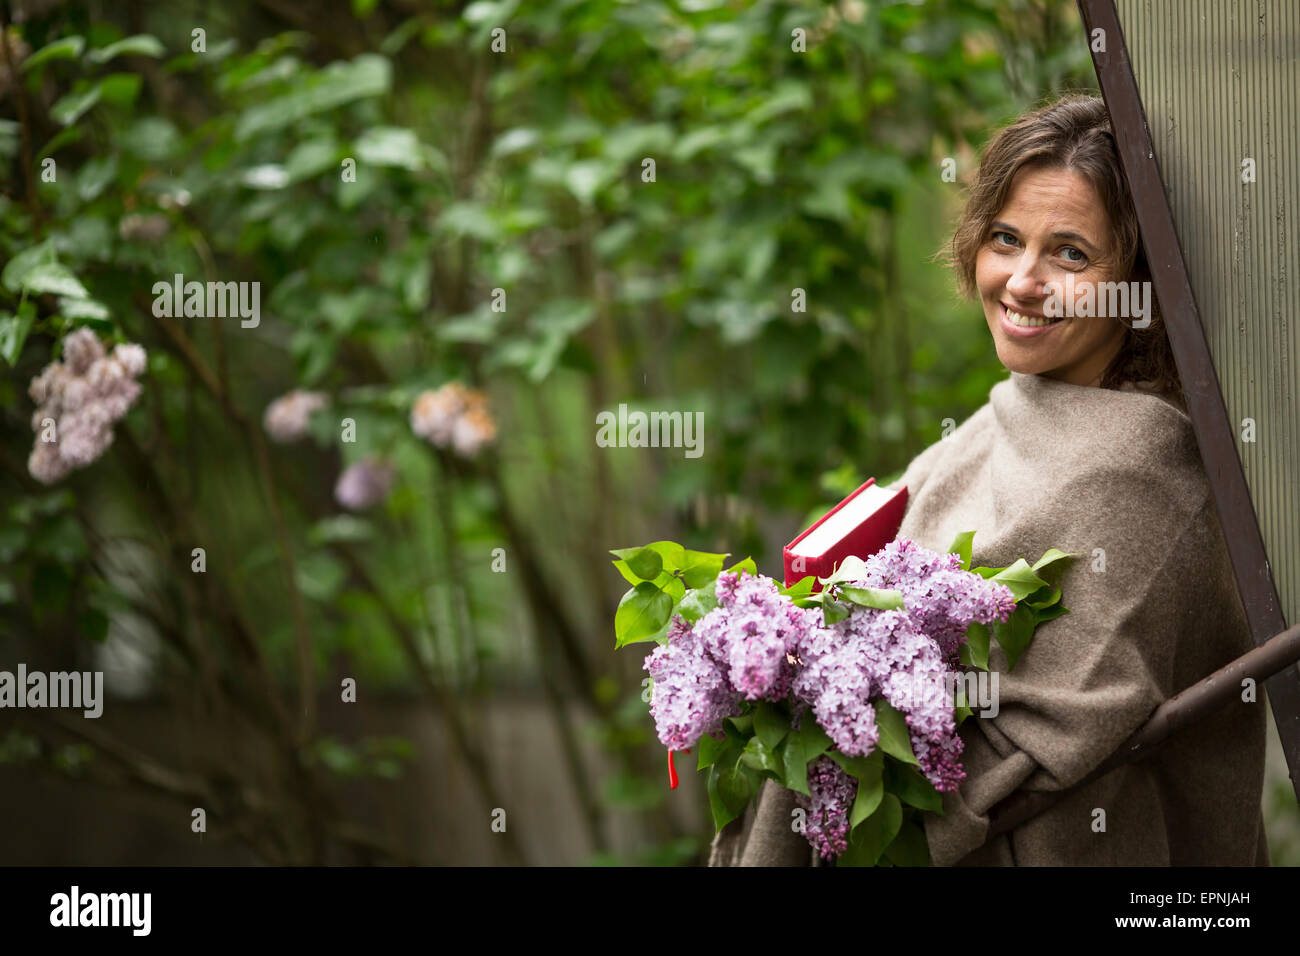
1026, 321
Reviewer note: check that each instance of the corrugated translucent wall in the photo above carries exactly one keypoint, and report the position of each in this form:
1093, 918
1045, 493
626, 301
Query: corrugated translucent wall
1220, 83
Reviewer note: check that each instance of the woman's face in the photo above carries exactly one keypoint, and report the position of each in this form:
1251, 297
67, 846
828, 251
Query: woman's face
1052, 225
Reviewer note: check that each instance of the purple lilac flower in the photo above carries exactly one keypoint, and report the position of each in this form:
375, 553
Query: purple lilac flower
751, 634
83, 396
288, 418
833, 792
757, 645
902, 656
364, 484
739, 650
691, 694
942, 599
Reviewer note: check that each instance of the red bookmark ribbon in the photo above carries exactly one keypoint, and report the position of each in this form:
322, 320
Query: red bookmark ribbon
672, 771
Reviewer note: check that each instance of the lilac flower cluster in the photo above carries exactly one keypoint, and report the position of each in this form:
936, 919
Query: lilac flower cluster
883, 654
454, 416
364, 484
78, 401
902, 656
288, 418
739, 650
833, 792
757, 645
941, 598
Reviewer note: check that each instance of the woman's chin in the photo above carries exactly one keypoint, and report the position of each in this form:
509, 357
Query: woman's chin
1014, 359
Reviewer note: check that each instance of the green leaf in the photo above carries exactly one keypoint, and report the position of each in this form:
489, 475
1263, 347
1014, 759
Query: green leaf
911, 786
624, 570
1015, 633
94, 177
745, 565
140, 45
717, 809
871, 788
1042, 615
727, 793
895, 739
320, 575
711, 750
660, 636
664, 581
961, 545
13, 332
89, 310
796, 764
883, 599
814, 740
770, 724
646, 564
699, 568
909, 848
1020, 578
1042, 598
265, 176
736, 785
697, 603
366, 76
741, 727
389, 146
67, 48
310, 159
152, 138
120, 89
63, 137
671, 553
834, 611
868, 840
643, 611
71, 107
54, 278
760, 756
803, 588
851, 568
1051, 557
802, 747
340, 528
975, 652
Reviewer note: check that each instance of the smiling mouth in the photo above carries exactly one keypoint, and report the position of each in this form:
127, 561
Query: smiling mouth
1026, 320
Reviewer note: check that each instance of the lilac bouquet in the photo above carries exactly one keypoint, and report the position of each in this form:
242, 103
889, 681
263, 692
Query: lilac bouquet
851, 697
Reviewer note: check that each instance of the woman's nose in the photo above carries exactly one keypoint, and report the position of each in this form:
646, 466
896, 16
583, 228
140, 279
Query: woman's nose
1026, 283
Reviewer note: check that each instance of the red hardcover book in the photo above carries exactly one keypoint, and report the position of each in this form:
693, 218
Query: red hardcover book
860, 525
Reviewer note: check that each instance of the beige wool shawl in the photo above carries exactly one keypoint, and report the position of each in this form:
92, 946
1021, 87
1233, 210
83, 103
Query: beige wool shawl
1114, 476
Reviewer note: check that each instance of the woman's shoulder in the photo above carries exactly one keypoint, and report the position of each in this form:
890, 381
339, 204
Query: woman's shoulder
1136, 438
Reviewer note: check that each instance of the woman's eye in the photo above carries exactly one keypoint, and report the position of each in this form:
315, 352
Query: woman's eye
1011, 238
1068, 249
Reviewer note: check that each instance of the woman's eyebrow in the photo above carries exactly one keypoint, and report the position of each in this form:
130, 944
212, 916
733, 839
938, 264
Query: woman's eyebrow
1056, 235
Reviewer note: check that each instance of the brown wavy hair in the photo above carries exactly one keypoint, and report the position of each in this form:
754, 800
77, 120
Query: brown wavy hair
1072, 133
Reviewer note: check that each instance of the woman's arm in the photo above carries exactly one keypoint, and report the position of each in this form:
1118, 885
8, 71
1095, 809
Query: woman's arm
1090, 678
764, 836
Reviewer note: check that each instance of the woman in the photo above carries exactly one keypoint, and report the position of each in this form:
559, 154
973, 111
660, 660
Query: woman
1085, 447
